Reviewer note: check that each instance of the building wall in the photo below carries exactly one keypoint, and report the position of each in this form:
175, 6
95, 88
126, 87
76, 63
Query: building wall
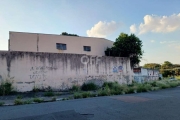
146, 75
61, 71
33, 42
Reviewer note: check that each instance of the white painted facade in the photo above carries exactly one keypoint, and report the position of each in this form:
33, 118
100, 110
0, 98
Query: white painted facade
37, 42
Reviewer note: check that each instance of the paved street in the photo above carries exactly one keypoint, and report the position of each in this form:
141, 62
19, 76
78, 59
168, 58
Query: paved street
157, 105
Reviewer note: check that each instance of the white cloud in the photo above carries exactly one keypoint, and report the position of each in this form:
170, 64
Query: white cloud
168, 42
159, 24
133, 28
152, 41
103, 29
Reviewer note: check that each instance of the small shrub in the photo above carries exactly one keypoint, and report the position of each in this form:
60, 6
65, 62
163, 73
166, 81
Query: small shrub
85, 94
18, 102
38, 100
49, 94
6, 86
28, 102
131, 90
89, 86
104, 92
75, 88
143, 87
173, 84
2, 103
77, 95
163, 85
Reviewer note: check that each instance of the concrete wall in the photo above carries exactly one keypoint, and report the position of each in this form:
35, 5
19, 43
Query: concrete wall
146, 75
35, 42
61, 71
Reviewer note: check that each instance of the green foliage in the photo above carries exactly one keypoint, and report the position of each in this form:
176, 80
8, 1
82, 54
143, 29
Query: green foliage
127, 46
6, 86
89, 86
18, 102
38, 100
77, 95
49, 94
75, 88
86, 94
152, 66
67, 34
27, 101
2, 103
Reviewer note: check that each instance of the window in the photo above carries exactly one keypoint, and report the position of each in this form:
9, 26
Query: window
87, 48
61, 46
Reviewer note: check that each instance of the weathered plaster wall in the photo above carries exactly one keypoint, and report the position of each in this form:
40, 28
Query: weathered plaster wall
146, 75
61, 71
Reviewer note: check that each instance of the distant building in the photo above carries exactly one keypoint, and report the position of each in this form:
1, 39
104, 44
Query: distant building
143, 74
51, 43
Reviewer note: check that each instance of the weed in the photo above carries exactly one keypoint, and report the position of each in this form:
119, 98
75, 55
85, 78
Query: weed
28, 102
18, 102
38, 100
6, 86
75, 88
77, 95
86, 94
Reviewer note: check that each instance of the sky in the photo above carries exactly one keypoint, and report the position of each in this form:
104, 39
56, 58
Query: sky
155, 22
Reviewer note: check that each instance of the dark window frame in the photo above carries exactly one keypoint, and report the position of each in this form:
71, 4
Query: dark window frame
87, 48
61, 46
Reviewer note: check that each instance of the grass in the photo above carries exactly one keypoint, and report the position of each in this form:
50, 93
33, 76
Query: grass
18, 102
27, 101
38, 100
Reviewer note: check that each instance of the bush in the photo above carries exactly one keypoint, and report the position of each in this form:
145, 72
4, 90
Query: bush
89, 86
6, 87
104, 92
75, 88
86, 94
49, 94
28, 102
2, 103
77, 95
38, 100
18, 102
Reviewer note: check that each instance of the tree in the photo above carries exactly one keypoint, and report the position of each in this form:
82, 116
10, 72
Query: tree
67, 34
127, 46
167, 65
152, 66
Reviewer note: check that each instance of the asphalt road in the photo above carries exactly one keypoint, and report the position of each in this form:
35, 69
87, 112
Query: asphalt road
157, 105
